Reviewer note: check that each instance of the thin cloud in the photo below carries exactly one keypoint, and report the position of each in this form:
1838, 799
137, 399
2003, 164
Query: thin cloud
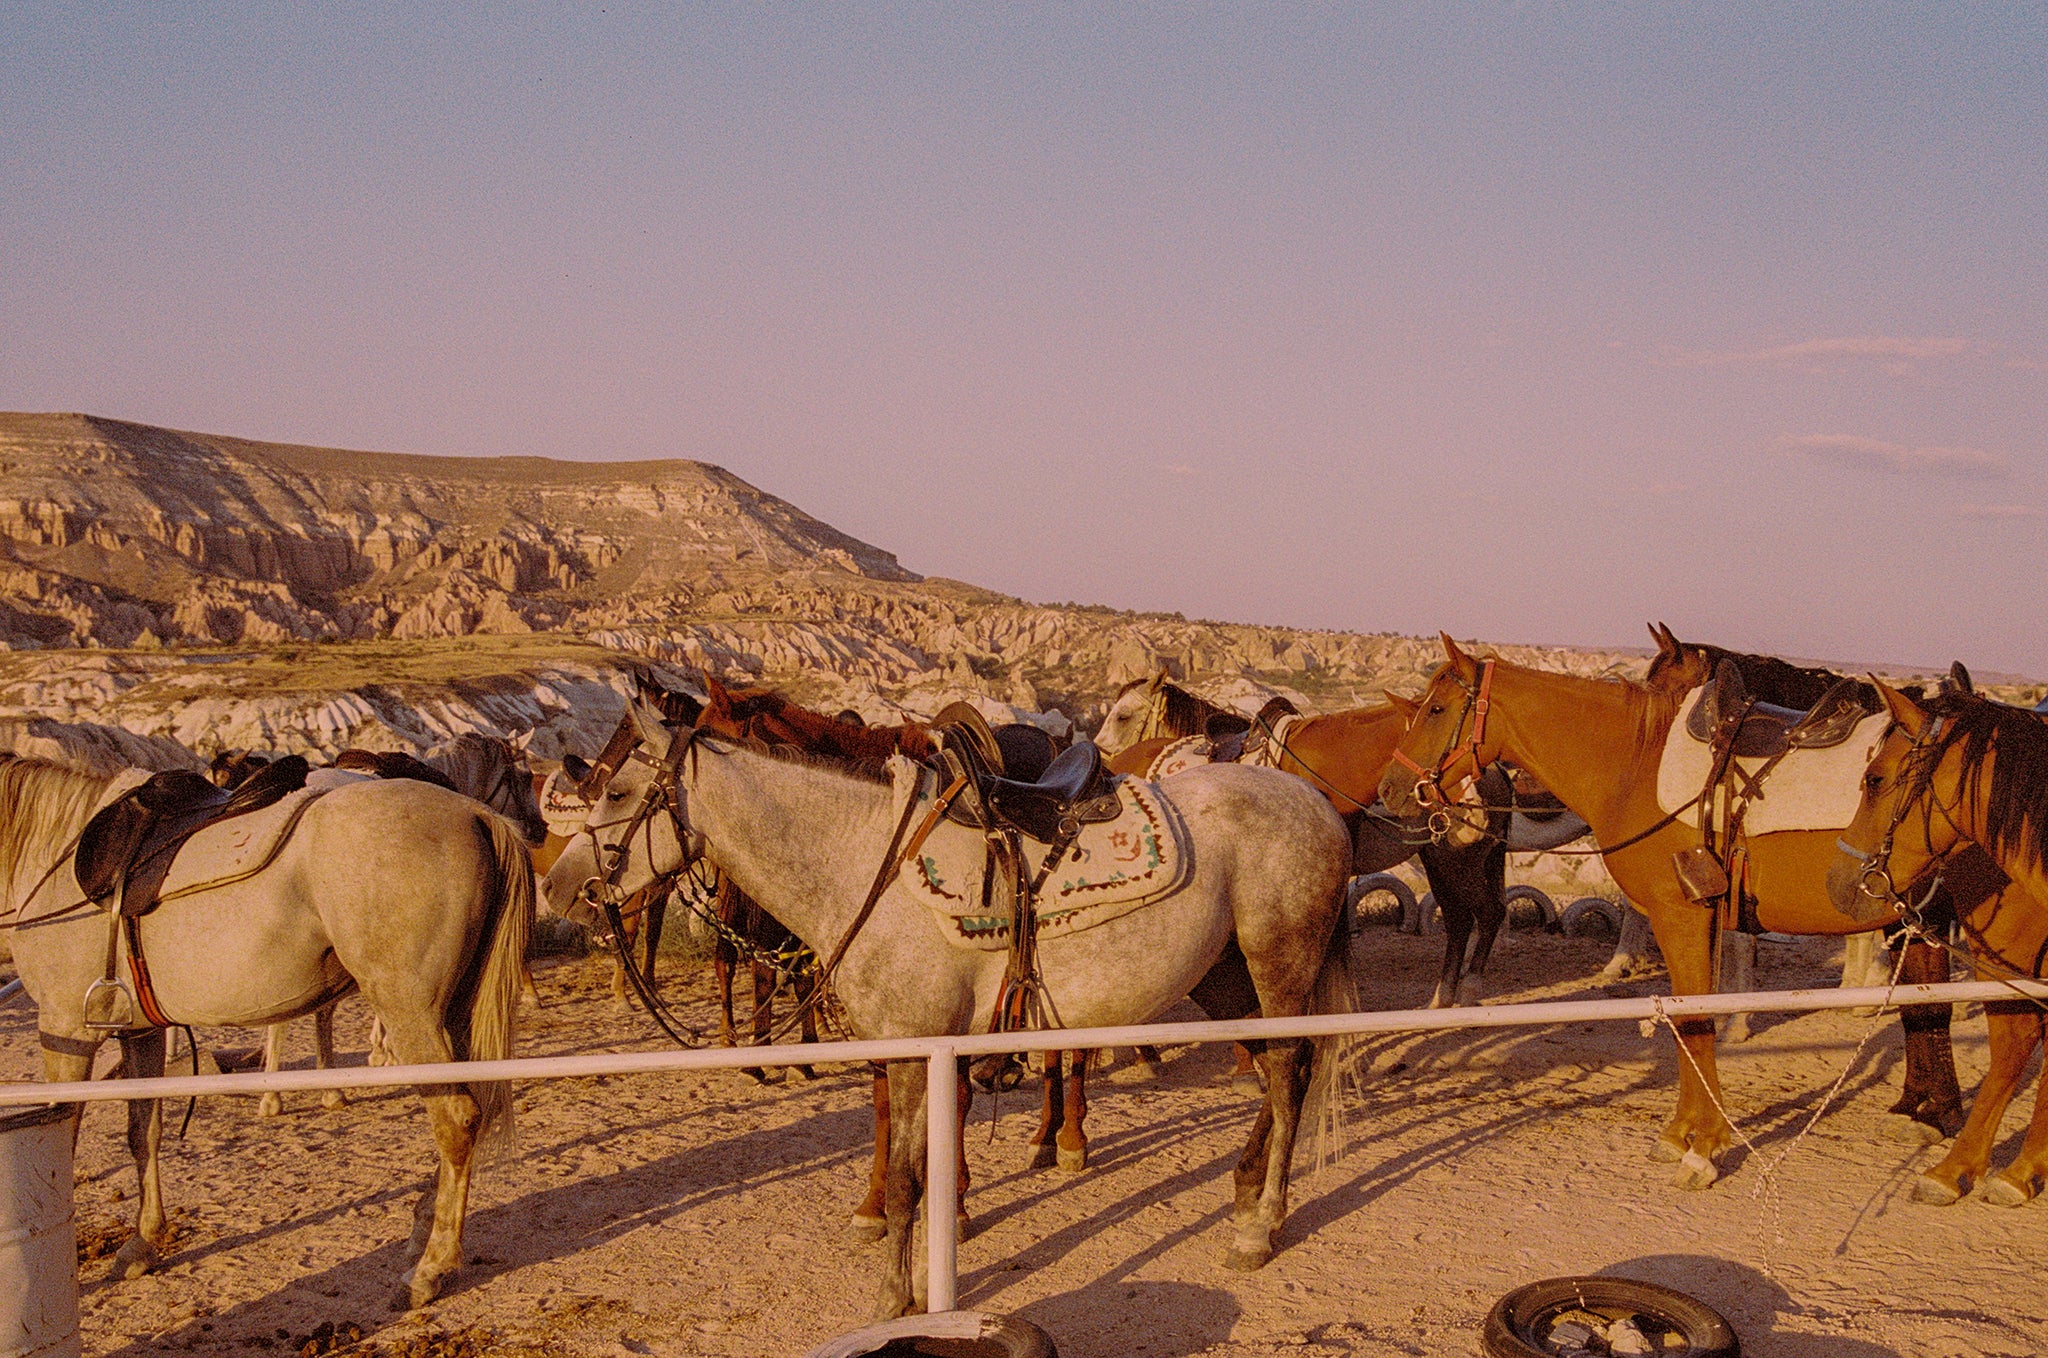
1893, 352
1998, 512
1850, 450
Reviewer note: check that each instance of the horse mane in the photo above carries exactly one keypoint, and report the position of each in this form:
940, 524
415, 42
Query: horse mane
1184, 714
2016, 742
768, 715
46, 805
860, 770
472, 760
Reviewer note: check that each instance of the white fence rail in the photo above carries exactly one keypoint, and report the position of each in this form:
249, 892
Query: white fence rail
942, 1113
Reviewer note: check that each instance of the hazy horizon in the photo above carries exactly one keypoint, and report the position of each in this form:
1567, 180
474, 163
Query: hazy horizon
1532, 326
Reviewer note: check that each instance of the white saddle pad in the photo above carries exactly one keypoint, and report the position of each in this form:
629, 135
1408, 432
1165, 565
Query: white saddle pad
235, 849
1808, 790
1115, 867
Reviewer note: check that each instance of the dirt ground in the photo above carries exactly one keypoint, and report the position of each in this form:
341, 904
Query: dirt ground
704, 1214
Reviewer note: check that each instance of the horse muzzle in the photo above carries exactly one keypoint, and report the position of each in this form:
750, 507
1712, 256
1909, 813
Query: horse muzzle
1859, 888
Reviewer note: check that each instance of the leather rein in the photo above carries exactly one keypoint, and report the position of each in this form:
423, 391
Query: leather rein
664, 791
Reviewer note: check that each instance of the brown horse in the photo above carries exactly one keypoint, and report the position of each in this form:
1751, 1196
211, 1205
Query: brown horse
1953, 775
1597, 744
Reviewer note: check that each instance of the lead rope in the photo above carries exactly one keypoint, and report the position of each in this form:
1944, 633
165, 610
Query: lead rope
1766, 1185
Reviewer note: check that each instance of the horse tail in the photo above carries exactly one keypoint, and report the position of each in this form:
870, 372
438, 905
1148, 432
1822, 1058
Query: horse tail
494, 1005
1332, 1070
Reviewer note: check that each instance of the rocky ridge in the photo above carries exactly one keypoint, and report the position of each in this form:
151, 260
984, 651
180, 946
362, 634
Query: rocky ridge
193, 592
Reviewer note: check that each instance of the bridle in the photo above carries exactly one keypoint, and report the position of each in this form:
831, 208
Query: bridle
1874, 879
1429, 783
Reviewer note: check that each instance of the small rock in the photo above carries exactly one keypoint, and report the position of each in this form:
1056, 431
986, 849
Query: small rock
1626, 1340
1568, 1335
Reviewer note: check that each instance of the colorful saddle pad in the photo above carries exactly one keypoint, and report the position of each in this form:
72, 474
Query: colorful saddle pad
1184, 753
1115, 867
1808, 790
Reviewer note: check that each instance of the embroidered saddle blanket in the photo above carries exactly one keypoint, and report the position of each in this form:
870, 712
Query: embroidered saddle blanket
1809, 789
562, 806
1113, 868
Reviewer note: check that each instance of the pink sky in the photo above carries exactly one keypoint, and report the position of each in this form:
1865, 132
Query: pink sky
1530, 326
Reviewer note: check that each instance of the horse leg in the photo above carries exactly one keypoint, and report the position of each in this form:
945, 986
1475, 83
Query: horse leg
764, 1004
1244, 1077
723, 959
1457, 933
1150, 1065
1044, 1146
1738, 977
456, 1121
143, 1053
1262, 1173
323, 1052
1930, 1105
272, 1102
629, 934
800, 990
2019, 1181
2015, 1030
1073, 1141
1698, 1132
905, 1185
868, 1222
1490, 912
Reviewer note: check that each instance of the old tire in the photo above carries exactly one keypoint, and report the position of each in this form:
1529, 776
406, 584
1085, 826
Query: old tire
1520, 1322
956, 1334
1375, 883
1589, 915
1428, 919
1538, 910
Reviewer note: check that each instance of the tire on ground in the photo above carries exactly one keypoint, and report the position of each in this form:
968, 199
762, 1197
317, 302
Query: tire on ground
1538, 910
1375, 883
999, 1337
1512, 1327
1590, 914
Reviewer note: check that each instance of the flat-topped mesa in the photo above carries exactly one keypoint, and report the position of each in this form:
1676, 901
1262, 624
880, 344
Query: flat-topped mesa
151, 516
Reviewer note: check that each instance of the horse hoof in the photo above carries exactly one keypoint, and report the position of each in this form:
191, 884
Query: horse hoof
1073, 1162
1668, 1152
270, 1105
863, 1230
2003, 1192
1248, 1085
333, 1099
1933, 1191
1912, 1130
1696, 1171
1243, 1260
963, 1225
1043, 1156
135, 1258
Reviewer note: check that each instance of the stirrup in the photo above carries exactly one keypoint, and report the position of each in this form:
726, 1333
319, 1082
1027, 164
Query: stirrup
110, 1008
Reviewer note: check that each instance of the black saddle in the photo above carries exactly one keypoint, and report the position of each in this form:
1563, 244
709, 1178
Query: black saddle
126, 849
1760, 730
1073, 789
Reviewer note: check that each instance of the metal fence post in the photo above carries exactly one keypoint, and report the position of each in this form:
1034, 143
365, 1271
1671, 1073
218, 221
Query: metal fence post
942, 1179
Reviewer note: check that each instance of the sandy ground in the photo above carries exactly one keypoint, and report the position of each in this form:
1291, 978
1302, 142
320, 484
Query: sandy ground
704, 1215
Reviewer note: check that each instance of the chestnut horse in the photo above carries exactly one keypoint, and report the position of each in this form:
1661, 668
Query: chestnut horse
1958, 775
1596, 744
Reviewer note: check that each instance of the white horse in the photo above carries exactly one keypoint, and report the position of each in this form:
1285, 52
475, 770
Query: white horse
487, 769
1263, 897
416, 895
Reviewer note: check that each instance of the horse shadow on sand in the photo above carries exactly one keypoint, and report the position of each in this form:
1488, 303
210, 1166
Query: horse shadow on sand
539, 1226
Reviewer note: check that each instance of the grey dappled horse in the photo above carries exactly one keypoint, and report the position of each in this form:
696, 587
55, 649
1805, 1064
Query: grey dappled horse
1264, 898
487, 769
412, 893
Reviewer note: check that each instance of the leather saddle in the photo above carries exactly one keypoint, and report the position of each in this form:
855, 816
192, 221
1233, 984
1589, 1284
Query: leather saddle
1073, 788
1760, 730
127, 848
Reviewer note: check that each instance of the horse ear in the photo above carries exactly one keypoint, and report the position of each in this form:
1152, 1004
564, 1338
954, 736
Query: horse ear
522, 741
1462, 663
717, 699
1407, 707
1668, 647
649, 726
1908, 714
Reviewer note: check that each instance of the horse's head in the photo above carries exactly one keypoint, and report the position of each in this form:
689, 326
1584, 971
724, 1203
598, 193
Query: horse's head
1130, 713
638, 828
1886, 843
1445, 746
1676, 667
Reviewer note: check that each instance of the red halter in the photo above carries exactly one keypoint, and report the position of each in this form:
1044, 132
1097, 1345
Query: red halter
1429, 783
